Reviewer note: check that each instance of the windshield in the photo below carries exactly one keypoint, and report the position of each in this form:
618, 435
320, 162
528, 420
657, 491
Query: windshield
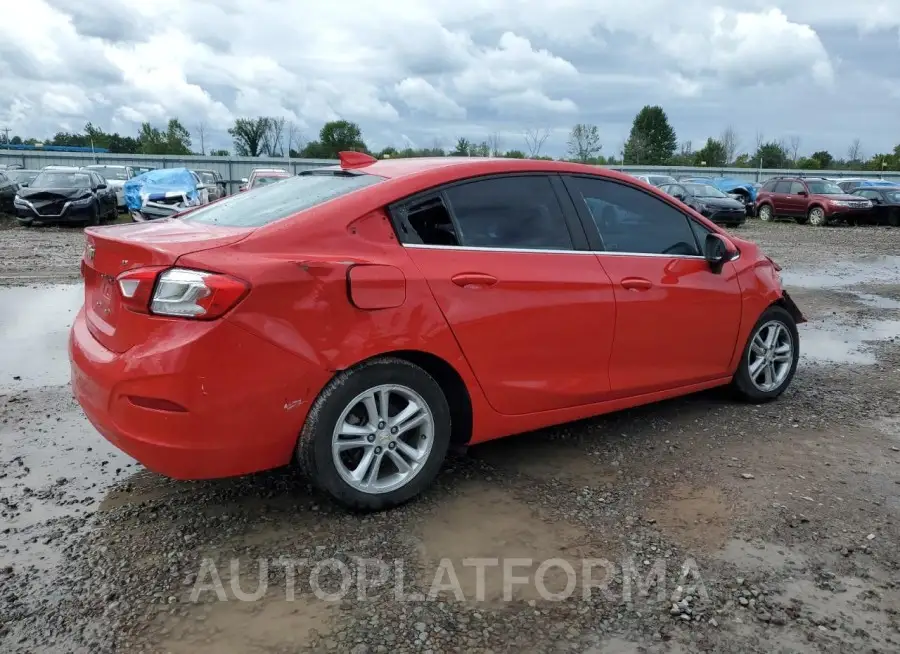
61, 180
277, 201
824, 188
704, 191
208, 178
110, 172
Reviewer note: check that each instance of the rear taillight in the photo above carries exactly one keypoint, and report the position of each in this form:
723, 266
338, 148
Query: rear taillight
180, 292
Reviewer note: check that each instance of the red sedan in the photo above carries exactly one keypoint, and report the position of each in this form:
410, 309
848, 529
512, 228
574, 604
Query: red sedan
361, 319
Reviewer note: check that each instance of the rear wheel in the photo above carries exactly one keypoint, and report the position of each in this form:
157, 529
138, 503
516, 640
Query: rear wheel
770, 357
817, 217
765, 213
377, 435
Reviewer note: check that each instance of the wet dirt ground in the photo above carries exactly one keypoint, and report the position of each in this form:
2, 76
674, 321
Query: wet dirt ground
697, 524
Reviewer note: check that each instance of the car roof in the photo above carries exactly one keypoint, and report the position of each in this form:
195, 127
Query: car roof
474, 166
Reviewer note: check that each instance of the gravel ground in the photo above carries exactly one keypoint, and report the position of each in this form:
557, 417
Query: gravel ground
710, 526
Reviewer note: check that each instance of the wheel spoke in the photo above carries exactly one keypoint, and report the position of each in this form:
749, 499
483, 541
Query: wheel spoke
402, 466
384, 405
355, 430
372, 478
345, 444
771, 336
410, 452
371, 409
360, 471
756, 367
411, 417
758, 346
769, 374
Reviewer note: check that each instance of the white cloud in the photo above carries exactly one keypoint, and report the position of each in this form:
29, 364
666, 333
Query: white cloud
419, 69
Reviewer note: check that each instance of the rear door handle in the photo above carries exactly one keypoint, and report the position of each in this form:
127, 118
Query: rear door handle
473, 280
637, 284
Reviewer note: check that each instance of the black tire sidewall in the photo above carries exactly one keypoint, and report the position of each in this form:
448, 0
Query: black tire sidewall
314, 452
760, 212
742, 382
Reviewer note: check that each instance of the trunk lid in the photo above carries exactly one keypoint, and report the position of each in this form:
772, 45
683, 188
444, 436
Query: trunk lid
110, 251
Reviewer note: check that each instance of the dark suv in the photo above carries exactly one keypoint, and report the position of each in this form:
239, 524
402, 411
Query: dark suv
814, 200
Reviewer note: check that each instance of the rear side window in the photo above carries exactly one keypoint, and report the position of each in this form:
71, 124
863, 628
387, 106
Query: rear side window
510, 212
267, 204
632, 221
783, 187
516, 212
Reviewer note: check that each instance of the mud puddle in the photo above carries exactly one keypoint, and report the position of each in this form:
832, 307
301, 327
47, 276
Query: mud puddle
836, 343
34, 325
844, 274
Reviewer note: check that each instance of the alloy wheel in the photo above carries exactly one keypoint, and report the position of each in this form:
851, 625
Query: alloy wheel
765, 213
770, 356
816, 217
383, 438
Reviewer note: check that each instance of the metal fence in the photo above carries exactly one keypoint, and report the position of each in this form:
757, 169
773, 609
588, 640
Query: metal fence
234, 169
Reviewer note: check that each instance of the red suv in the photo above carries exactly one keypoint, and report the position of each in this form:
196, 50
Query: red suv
815, 200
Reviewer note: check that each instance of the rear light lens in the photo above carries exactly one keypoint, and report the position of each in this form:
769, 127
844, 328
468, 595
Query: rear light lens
180, 292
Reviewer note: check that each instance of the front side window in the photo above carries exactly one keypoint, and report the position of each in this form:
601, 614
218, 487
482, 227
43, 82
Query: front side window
632, 221
796, 188
517, 212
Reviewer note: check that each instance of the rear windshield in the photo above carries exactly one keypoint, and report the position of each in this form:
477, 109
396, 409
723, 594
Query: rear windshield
267, 204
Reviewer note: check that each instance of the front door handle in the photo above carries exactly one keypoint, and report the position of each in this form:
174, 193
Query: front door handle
637, 284
474, 280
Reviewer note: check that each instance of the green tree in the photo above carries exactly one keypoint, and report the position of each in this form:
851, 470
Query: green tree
339, 136
584, 143
514, 154
178, 138
249, 135
463, 148
218, 153
823, 160
712, 154
771, 155
652, 140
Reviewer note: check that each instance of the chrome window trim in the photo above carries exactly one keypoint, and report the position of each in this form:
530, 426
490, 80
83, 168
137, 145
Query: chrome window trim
419, 246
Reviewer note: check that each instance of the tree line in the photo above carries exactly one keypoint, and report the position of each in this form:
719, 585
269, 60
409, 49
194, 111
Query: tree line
651, 141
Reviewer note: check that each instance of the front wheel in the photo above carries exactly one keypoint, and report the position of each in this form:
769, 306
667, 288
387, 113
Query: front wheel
377, 435
770, 357
817, 217
765, 213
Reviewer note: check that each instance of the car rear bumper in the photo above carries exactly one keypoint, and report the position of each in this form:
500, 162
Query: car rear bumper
219, 403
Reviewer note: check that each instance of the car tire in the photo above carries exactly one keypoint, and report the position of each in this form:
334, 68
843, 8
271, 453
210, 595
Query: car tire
774, 322
816, 217
331, 466
94, 219
766, 213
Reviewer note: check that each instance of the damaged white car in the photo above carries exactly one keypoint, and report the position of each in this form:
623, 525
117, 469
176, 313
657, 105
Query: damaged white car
164, 192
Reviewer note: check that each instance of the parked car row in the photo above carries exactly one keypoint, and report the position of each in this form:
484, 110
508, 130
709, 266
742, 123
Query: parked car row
813, 200
819, 201
263, 177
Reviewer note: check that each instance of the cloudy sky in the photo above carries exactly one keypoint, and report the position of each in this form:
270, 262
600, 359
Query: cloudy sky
420, 72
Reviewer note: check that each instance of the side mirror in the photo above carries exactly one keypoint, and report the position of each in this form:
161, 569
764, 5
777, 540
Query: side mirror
101, 186
679, 196
718, 250
875, 200
24, 184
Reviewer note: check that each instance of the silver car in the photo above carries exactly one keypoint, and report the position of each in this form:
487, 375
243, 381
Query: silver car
115, 176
